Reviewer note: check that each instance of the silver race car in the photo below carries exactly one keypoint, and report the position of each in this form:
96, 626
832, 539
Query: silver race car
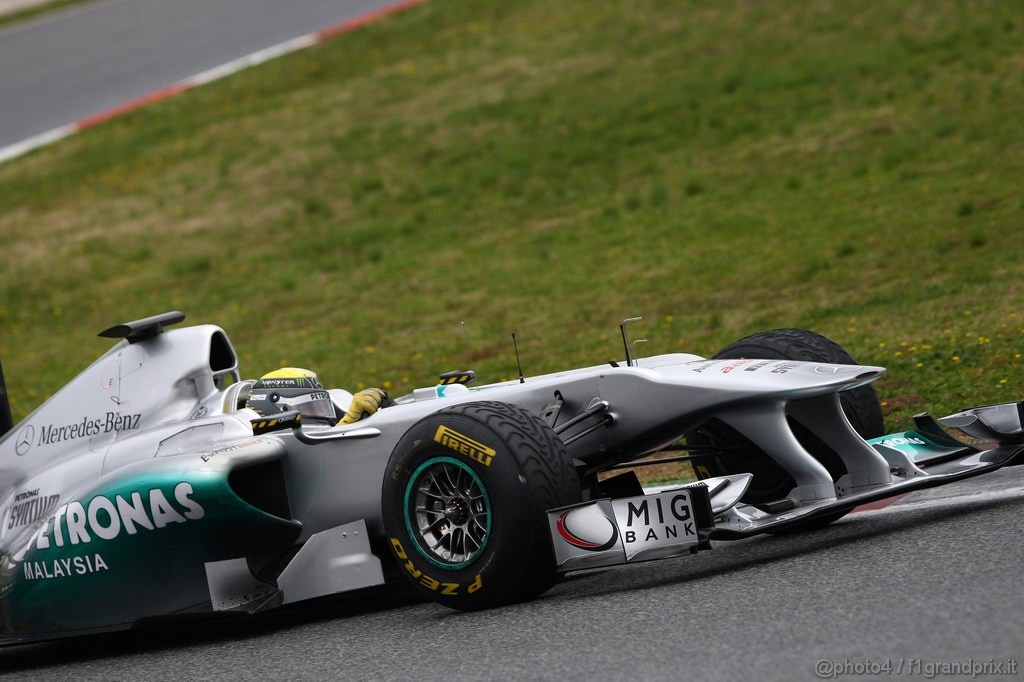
149, 488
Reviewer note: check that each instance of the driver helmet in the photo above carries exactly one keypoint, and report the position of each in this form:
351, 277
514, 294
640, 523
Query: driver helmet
292, 388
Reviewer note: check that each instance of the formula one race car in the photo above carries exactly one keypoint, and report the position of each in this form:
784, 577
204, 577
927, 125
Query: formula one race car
146, 489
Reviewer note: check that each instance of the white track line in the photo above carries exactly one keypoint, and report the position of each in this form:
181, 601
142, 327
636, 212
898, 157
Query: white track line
36, 141
203, 77
258, 57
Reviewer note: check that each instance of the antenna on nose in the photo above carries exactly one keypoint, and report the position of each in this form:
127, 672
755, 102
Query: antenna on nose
465, 345
522, 379
625, 339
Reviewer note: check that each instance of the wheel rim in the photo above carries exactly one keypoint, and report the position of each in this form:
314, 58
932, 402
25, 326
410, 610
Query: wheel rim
447, 512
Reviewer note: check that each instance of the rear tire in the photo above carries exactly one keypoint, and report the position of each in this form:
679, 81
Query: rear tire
771, 482
465, 500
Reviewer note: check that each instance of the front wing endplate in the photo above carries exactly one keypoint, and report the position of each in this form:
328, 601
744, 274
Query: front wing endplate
608, 532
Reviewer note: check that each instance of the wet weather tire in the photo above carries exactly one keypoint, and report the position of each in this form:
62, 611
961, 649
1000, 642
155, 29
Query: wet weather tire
464, 500
739, 455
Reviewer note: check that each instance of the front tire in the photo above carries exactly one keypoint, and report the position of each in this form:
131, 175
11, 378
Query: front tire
465, 499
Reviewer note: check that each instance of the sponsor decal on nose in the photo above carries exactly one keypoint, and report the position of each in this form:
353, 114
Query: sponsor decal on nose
836, 369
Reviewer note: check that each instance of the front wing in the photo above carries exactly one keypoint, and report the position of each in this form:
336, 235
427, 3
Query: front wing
677, 521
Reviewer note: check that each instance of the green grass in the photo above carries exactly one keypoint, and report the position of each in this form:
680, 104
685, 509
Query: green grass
853, 167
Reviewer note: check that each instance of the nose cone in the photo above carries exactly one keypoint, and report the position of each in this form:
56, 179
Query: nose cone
847, 375
786, 377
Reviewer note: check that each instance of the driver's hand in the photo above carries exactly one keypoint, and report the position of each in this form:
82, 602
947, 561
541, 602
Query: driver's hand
364, 403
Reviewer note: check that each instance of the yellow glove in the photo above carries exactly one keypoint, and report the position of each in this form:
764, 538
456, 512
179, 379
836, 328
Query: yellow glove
364, 403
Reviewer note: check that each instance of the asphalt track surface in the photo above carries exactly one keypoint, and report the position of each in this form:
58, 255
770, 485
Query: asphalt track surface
935, 578
70, 65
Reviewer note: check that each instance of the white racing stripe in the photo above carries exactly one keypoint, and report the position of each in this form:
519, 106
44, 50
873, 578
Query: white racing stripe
248, 60
203, 77
36, 141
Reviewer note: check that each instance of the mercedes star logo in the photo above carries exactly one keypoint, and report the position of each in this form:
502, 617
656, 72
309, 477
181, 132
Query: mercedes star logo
24, 442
